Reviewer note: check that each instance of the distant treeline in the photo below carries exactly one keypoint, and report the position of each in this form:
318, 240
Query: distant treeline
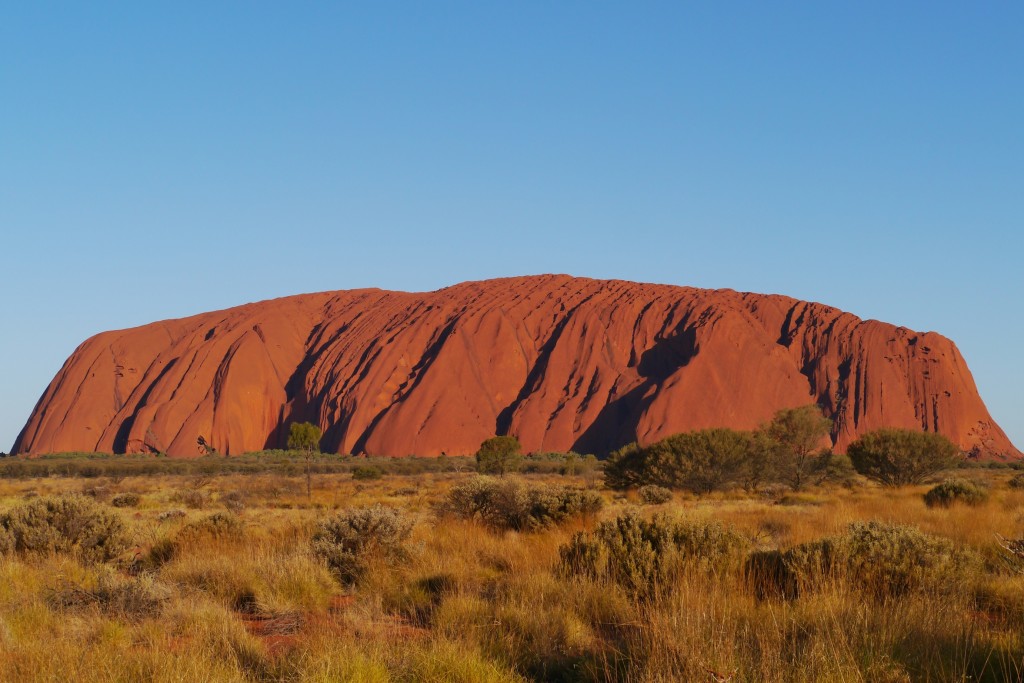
287, 463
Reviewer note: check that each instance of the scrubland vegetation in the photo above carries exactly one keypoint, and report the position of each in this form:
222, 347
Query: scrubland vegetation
428, 571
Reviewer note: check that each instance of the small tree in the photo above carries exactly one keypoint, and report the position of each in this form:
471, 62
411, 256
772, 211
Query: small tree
305, 437
897, 457
498, 455
799, 433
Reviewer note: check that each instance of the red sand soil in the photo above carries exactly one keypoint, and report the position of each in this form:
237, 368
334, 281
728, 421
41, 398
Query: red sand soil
560, 362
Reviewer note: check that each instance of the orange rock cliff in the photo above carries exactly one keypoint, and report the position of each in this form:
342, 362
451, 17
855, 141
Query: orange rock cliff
560, 362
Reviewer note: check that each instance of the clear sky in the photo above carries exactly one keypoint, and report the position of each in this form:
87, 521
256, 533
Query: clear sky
163, 159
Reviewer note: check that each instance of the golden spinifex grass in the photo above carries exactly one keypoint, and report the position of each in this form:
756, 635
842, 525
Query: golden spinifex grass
220, 580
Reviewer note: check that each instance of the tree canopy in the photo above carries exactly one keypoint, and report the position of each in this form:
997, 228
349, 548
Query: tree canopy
498, 455
304, 436
798, 434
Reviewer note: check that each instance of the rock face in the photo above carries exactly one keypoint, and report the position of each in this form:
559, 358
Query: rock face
560, 362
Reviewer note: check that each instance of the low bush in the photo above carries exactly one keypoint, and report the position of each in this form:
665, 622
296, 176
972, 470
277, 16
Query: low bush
882, 560
234, 501
221, 526
131, 598
646, 557
955, 491
66, 524
652, 494
1016, 482
502, 504
193, 499
125, 500
366, 473
99, 492
6, 541
170, 515
349, 540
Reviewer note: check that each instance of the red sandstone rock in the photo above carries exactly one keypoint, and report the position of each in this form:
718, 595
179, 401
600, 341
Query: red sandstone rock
562, 363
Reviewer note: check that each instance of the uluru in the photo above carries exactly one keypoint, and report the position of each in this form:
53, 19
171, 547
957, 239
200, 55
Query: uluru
562, 363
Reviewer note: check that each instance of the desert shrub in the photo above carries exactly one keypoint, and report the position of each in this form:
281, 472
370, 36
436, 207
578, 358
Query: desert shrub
366, 473
170, 515
222, 526
880, 559
125, 500
161, 552
511, 505
897, 457
66, 524
233, 501
99, 492
652, 494
193, 498
130, 598
498, 455
955, 491
6, 541
771, 575
1016, 482
645, 557
348, 540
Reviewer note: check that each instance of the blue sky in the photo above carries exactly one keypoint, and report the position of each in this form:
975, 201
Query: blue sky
159, 160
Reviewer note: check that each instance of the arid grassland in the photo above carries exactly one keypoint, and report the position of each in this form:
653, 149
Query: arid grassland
130, 571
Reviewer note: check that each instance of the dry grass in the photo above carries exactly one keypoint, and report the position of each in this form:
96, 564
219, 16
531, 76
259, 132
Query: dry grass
248, 599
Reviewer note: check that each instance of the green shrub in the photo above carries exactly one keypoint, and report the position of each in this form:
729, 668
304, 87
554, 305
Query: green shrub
879, 559
1017, 482
897, 457
348, 540
652, 494
701, 461
366, 473
626, 468
955, 491
510, 505
66, 524
125, 500
646, 557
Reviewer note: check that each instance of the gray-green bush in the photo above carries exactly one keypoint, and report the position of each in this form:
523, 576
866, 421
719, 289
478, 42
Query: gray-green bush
351, 538
652, 494
222, 526
125, 500
646, 556
66, 524
883, 560
510, 505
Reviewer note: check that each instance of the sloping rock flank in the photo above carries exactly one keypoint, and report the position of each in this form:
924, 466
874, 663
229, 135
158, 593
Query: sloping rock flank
560, 362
